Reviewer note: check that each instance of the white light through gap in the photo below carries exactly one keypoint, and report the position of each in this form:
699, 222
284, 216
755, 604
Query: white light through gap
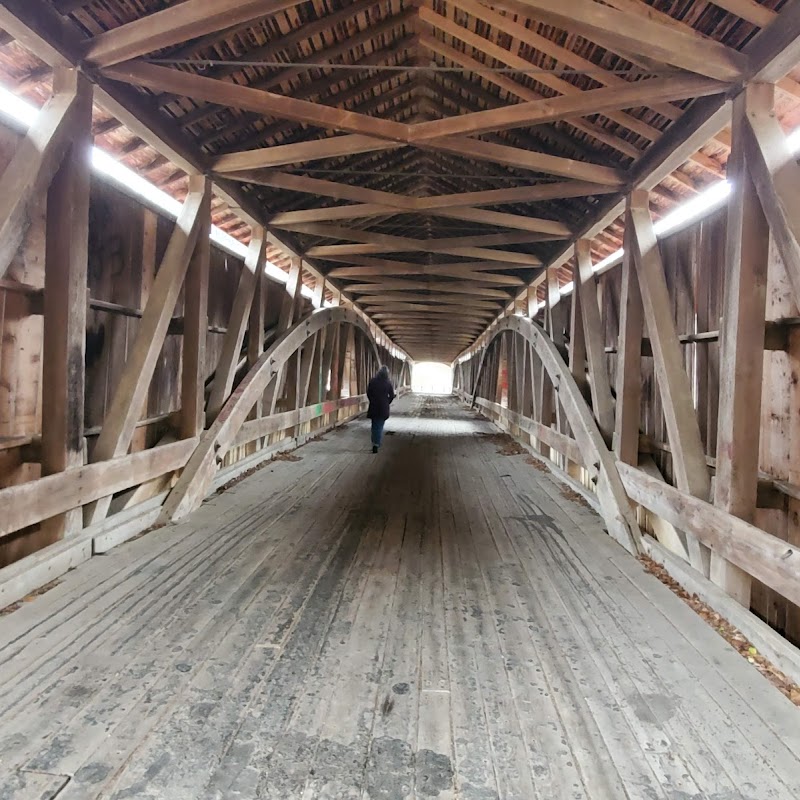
23, 113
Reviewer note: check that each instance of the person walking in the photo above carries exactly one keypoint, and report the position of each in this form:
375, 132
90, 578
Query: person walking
380, 394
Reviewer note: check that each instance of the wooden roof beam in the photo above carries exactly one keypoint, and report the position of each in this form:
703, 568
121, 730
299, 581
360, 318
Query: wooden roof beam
329, 55
416, 269
639, 35
466, 246
280, 155
174, 25
527, 160
459, 287
521, 259
39, 28
197, 87
593, 101
419, 297
563, 55
315, 90
551, 80
515, 89
443, 308
292, 219
281, 44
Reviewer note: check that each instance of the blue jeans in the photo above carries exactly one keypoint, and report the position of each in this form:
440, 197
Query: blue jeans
377, 431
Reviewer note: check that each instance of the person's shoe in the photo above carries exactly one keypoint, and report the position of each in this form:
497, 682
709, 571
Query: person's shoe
374, 448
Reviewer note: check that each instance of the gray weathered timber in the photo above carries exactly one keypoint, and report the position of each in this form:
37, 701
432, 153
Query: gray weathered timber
436, 621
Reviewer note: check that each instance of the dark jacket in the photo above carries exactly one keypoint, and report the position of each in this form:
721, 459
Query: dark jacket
380, 394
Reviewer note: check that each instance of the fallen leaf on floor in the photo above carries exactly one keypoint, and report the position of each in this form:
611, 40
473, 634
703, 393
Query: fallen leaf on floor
732, 635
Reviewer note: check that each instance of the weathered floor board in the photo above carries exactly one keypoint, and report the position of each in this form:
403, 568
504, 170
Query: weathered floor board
438, 620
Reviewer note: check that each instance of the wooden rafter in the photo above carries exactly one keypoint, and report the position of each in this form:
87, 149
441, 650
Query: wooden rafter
637, 35
174, 25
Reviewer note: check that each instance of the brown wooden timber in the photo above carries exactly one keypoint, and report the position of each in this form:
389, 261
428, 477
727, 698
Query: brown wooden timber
742, 337
66, 274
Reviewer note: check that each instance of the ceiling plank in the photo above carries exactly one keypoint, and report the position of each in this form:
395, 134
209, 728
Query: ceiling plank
174, 25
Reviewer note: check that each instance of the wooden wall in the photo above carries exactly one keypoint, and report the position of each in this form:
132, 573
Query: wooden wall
694, 261
126, 244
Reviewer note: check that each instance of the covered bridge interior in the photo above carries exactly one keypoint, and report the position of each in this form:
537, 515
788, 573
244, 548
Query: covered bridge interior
219, 218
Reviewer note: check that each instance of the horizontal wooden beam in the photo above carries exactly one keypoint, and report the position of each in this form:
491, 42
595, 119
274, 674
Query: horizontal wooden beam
460, 287
290, 219
526, 159
233, 95
437, 297
376, 267
592, 101
31, 502
323, 188
521, 194
300, 152
762, 555
379, 309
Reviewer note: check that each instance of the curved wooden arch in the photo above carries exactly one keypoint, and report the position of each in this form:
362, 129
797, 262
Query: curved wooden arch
194, 483
614, 502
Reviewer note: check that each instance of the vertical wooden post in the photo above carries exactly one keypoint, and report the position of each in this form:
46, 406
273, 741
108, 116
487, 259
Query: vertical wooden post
237, 323
257, 322
317, 380
512, 372
602, 401
527, 381
328, 367
555, 308
352, 372
577, 343
629, 358
65, 301
255, 340
195, 320
148, 276
337, 388
533, 303
742, 343
688, 457
291, 300
319, 293
289, 306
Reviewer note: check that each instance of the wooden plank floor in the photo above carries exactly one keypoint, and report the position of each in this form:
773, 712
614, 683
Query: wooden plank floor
436, 621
